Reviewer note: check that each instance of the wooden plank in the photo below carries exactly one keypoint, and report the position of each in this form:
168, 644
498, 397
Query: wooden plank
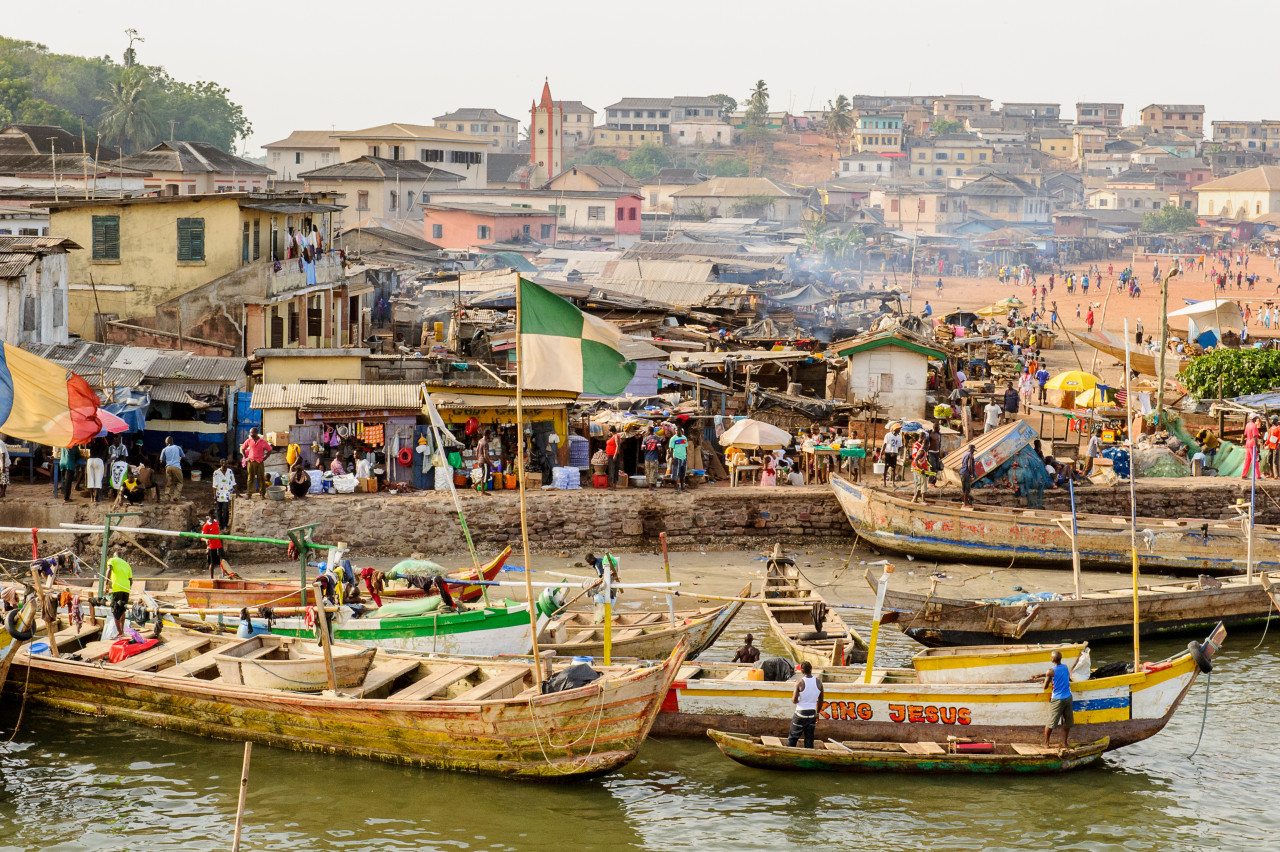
627, 634
775, 742
430, 686
923, 748
1020, 748
581, 637
382, 675
687, 672
489, 688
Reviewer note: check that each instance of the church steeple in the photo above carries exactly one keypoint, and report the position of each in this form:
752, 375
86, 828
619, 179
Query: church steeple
546, 138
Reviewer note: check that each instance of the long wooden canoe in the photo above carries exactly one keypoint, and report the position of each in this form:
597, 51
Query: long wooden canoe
1186, 606
646, 635
237, 594
464, 714
896, 707
926, 757
791, 606
1032, 538
273, 662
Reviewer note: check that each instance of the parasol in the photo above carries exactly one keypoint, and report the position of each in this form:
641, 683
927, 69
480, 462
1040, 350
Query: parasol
752, 434
1072, 380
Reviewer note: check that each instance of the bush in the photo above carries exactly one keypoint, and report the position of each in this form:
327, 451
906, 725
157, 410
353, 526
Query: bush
1242, 371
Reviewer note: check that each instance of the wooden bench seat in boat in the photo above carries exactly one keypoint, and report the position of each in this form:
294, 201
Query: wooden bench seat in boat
923, 748
628, 633
1024, 748
739, 674
648, 618
832, 745
381, 675
429, 687
208, 661
581, 636
687, 672
772, 741
167, 653
72, 640
497, 686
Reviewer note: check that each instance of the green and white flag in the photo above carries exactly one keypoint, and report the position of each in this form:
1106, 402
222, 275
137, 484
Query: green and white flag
564, 349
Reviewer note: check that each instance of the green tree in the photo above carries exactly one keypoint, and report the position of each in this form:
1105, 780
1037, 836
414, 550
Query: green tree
596, 157
839, 116
1242, 371
200, 112
1169, 219
727, 104
127, 119
758, 105
942, 126
814, 225
646, 160
753, 205
727, 167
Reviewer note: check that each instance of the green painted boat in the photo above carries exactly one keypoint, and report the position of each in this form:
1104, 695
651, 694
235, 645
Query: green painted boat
858, 756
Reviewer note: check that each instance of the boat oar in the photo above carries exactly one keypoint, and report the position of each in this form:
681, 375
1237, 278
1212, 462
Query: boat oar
875, 622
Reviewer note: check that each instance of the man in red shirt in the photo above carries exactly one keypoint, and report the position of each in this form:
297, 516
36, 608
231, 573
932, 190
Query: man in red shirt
1273, 447
215, 544
1088, 319
254, 450
613, 449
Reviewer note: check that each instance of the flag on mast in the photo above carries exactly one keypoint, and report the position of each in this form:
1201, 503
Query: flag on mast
566, 349
43, 402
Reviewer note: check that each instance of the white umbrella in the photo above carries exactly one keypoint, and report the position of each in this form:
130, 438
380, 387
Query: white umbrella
752, 434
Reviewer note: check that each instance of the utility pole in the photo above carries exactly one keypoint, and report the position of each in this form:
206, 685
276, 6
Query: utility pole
53, 151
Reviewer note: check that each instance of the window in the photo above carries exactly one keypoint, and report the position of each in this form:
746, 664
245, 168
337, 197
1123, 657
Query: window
59, 308
106, 237
437, 232
595, 213
293, 323
395, 152
408, 201
29, 314
373, 150
324, 157
431, 155
482, 232
297, 157
191, 240
275, 156
244, 244
524, 231
559, 209
982, 156
893, 206
469, 158
960, 155
257, 238
631, 213
545, 233
362, 200
394, 198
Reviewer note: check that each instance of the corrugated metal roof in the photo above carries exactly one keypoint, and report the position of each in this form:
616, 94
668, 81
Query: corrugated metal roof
450, 400
362, 397
683, 294
197, 368
13, 265
109, 365
177, 391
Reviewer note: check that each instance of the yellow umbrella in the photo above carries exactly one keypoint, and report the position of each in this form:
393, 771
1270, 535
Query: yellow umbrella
1072, 380
1012, 302
1092, 398
993, 310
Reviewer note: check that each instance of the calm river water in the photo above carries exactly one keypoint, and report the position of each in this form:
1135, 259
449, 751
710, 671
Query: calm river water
75, 783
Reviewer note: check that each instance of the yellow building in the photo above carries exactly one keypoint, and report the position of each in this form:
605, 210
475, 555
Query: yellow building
496, 406
147, 253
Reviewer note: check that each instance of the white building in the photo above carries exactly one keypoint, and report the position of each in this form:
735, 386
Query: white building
302, 151
701, 133
892, 369
33, 280
449, 150
501, 131
1245, 195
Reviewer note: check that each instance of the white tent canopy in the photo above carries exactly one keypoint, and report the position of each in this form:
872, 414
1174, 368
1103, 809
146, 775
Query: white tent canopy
1214, 315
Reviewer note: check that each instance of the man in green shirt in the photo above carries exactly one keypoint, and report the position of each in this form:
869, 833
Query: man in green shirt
120, 581
67, 472
679, 445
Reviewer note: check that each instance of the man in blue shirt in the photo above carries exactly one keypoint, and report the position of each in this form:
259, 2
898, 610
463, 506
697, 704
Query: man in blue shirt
1042, 376
171, 457
1059, 678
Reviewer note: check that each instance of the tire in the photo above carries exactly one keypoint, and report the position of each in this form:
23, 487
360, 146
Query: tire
11, 624
812, 635
1203, 663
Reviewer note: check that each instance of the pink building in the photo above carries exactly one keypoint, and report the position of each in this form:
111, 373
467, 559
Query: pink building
463, 226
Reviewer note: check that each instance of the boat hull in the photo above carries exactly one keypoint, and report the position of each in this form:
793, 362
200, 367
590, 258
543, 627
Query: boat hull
753, 754
948, 532
579, 733
1126, 709
486, 632
1163, 609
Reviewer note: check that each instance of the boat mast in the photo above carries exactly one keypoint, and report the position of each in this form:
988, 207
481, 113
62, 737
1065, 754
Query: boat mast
520, 471
1133, 499
438, 433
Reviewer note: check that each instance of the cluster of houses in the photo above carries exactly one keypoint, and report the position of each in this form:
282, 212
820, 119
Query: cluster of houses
384, 254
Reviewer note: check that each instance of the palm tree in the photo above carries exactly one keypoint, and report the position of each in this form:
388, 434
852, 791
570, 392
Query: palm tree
839, 117
758, 104
127, 118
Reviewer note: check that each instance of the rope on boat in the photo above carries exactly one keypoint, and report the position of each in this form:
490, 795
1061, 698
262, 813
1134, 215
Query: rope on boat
23, 705
595, 736
1208, 681
1265, 627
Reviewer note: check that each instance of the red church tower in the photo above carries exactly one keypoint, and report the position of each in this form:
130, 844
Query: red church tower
546, 148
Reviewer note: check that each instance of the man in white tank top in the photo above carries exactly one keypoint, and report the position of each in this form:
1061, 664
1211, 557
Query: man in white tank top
808, 701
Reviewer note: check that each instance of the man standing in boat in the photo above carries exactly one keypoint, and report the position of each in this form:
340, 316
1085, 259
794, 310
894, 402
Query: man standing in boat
967, 471
808, 701
1059, 678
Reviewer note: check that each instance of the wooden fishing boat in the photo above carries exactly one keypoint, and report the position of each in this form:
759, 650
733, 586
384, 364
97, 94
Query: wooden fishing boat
933, 757
646, 635
1185, 606
896, 707
1032, 537
236, 594
472, 715
801, 619
274, 662
997, 663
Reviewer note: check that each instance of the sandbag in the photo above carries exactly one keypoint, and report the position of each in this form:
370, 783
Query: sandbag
571, 678
405, 567
409, 606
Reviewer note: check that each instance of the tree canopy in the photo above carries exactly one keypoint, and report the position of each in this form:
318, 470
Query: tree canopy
40, 87
1169, 219
839, 116
727, 104
758, 105
943, 125
1242, 371
646, 160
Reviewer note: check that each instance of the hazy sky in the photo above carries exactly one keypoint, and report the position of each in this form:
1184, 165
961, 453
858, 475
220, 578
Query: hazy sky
322, 64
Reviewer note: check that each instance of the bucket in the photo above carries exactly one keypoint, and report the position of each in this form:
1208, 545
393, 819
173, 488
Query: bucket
460, 480
276, 492
586, 660
878, 467
195, 475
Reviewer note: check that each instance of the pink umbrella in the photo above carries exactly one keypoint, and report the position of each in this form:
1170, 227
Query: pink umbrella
111, 424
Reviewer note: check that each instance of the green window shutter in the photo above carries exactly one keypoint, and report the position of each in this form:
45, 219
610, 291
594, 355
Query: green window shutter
106, 237
191, 239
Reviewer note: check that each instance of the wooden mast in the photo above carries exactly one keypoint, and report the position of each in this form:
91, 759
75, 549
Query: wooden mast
1133, 500
524, 523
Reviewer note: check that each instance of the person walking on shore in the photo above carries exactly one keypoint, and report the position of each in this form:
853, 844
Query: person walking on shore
254, 451
968, 468
224, 488
651, 446
1251, 435
171, 458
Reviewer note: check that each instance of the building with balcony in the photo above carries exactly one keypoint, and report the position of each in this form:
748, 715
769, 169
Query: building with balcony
501, 131
1100, 114
1188, 118
460, 153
